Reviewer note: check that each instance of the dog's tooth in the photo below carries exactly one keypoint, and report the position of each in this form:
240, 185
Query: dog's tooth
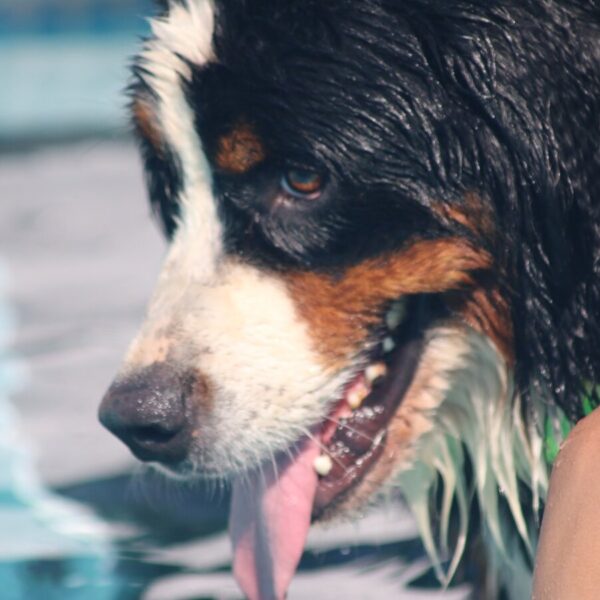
356, 395
374, 372
378, 438
395, 315
388, 344
323, 464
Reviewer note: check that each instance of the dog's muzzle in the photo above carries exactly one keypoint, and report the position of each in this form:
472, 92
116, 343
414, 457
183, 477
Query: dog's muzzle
148, 411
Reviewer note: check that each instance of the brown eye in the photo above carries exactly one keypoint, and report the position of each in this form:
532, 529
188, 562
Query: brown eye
302, 183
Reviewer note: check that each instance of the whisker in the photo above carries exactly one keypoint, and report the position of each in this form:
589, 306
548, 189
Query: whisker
310, 435
351, 429
292, 452
274, 463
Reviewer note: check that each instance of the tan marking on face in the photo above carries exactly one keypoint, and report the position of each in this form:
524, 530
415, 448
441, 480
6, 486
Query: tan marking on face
145, 119
240, 149
487, 312
473, 213
340, 310
201, 390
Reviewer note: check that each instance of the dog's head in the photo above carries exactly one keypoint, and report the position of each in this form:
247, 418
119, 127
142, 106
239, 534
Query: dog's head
337, 180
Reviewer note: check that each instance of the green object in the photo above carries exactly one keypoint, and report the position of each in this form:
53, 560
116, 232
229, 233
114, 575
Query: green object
557, 426
552, 441
590, 397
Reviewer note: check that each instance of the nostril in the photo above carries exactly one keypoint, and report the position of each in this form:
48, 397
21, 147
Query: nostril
152, 434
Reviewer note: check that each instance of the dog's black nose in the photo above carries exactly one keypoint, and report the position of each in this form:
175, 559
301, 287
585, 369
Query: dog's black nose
148, 412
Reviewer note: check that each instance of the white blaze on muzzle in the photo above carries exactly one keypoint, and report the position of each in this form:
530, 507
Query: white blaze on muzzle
238, 328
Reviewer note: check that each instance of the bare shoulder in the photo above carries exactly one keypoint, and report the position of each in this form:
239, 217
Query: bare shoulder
567, 565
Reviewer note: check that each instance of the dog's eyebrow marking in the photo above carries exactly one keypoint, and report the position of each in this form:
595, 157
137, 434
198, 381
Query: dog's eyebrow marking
473, 213
240, 149
145, 119
340, 311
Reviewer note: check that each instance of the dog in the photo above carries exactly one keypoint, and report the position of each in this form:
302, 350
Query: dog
383, 268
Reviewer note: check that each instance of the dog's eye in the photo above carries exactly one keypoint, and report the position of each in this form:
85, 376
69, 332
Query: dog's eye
302, 183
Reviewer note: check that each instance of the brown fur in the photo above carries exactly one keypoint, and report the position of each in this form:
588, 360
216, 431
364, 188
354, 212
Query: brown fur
473, 213
340, 310
488, 313
145, 119
239, 150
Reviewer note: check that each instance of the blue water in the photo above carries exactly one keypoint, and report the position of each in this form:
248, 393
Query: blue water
64, 86
49, 547
64, 67
57, 17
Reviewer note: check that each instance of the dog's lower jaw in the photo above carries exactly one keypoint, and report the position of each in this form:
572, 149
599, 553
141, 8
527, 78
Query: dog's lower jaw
444, 348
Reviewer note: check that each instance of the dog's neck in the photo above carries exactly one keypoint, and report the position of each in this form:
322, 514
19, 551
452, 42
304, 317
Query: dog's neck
483, 447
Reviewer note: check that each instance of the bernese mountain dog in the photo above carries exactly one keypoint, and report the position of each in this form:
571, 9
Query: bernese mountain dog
383, 270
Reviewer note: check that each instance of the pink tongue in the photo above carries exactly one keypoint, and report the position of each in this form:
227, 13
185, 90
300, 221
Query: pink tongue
269, 522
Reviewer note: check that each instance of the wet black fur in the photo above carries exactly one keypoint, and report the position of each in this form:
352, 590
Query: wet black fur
402, 105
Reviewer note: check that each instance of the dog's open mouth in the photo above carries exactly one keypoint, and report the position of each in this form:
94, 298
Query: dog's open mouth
353, 437
272, 509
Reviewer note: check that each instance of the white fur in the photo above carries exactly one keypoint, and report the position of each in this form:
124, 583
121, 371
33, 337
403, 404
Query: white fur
476, 419
185, 36
240, 329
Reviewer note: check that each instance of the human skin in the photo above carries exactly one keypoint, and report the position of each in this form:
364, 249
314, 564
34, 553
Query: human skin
568, 559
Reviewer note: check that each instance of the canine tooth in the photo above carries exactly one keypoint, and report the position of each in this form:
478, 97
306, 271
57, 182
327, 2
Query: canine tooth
378, 438
395, 315
375, 371
356, 396
388, 344
323, 464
